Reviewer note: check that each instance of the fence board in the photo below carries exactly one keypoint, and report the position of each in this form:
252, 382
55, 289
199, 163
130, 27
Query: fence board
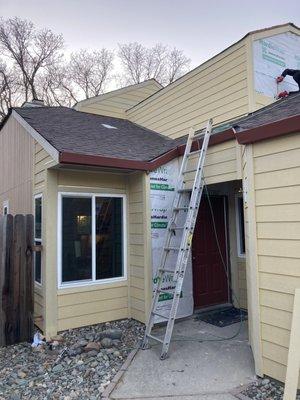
16, 279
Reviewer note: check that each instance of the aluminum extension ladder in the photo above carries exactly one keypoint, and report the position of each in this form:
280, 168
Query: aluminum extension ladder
187, 235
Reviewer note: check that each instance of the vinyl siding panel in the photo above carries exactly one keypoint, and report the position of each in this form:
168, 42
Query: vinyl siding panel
276, 168
115, 103
16, 166
221, 164
41, 162
140, 265
216, 89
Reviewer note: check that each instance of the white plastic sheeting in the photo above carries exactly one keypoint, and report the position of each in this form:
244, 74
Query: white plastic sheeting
162, 190
271, 56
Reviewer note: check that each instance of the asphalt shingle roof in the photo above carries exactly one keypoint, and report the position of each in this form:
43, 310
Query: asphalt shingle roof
281, 109
73, 131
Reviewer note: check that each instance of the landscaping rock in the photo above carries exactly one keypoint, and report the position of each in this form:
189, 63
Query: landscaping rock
57, 338
106, 342
265, 389
111, 334
92, 346
68, 372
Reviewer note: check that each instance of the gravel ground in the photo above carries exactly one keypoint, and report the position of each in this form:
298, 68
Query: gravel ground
79, 364
266, 389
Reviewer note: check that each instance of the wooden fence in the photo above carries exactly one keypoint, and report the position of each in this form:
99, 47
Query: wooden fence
16, 279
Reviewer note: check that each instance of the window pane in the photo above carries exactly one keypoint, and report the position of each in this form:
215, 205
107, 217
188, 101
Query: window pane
38, 264
76, 239
242, 225
109, 237
38, 218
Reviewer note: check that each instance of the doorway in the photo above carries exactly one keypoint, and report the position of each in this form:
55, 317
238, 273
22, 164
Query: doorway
210, 282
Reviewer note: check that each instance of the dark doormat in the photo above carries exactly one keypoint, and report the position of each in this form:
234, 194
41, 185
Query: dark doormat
222, 317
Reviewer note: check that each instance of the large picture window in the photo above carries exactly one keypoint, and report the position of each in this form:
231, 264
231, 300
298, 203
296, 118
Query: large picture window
38, 238
92, 248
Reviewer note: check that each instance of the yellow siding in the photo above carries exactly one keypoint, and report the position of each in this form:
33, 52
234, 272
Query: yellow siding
96, 303
277, 190
115, 103
16, 155
221, 164
41, 162
216, 89
139, 246
242, 284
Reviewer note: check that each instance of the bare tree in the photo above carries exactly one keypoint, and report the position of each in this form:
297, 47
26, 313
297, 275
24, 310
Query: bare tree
11, 90
160, 62
132, 57
177, 64
30, 50
91, 71
55, 87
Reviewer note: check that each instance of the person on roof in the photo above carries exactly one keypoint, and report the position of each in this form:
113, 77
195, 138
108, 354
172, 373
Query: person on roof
295, 73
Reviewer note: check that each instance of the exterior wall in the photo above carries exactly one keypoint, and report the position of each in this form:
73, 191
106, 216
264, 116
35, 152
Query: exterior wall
16, 155
41, 162
139, 246
115, 103
216, 89
277, 201
222, 164
72, 307
79, 306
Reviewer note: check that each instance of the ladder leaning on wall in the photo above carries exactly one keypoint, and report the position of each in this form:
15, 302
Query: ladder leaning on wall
183, 251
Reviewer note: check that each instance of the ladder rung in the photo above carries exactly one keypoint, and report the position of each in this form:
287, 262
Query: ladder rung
165, 291
160, 315
177, 228
168, 271
193, 153
189, 170
185, 190
198, 135
170, 248
181, 208
154, 338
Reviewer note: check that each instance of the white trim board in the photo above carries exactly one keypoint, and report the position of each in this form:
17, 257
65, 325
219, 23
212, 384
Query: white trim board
39, 138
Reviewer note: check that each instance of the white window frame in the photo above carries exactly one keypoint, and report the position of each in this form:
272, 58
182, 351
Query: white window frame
93, 281
5, 205
238, 226
38, 240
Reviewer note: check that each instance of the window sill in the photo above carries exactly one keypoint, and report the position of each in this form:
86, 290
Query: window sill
68, 288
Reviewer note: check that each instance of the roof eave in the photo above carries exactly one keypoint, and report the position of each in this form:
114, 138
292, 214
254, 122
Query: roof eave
69, 158
269, 131
118, 163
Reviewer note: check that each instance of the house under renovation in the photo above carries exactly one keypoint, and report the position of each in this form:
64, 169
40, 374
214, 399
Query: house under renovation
100, 180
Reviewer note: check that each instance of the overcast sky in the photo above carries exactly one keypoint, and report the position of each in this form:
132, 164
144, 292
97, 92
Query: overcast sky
200, 28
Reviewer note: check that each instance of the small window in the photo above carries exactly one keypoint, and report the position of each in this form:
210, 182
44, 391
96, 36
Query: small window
38, 238
92, 238
240, 222
5, 209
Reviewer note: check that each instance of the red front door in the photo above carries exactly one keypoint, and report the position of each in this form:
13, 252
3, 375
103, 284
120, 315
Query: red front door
209, 278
